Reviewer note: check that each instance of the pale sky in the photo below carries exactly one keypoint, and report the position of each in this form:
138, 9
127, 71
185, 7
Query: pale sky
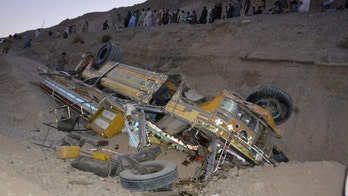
17, 16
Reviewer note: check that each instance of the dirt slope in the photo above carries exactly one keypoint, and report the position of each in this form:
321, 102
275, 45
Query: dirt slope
27, 169
301, 53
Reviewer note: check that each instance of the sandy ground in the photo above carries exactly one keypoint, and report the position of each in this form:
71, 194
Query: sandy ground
302, 53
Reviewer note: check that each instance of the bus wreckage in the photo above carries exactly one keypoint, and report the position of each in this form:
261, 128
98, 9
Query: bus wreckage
155, 108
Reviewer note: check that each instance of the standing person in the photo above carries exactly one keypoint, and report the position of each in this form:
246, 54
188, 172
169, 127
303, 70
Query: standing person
127, 19
105, 25
224, 15
246, 7
154, 18
304, 5
193, 17
166, 18
141, 17
73, 28
132, 20
187, 17
230, 11
160, 16
37, 33
66, 32
57, 34
27, 44
148, 17
7, 45
85, 27
137, 15
236, 9
62, 62
176, 16
212, 15
218, 11
203, 18
181, 18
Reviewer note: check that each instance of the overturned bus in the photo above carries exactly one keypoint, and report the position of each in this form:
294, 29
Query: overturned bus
225, 130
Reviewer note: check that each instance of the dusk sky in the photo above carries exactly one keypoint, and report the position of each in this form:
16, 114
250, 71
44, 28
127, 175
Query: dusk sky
21, 15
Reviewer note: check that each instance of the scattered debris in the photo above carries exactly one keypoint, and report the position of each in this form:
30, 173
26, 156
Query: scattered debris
79, 182
67, 152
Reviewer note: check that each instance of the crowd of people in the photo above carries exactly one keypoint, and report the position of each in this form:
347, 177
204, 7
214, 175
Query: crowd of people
153, 17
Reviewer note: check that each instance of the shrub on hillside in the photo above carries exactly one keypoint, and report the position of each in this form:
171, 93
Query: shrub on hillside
105, 38
78, 39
